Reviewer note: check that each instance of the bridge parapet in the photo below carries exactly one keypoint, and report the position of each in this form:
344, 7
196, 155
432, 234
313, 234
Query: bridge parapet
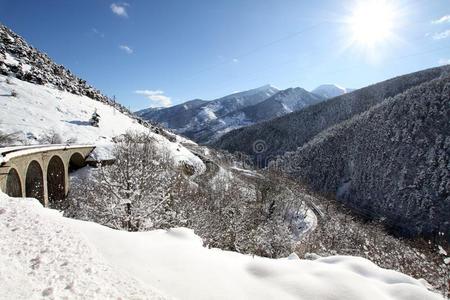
40, 171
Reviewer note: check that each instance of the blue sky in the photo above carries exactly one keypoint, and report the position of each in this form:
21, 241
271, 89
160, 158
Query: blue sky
162, 52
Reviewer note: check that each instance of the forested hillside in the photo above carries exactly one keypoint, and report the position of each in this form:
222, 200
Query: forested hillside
289, 132
390, 162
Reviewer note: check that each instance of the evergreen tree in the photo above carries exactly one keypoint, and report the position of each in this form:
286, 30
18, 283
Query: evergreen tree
95, 119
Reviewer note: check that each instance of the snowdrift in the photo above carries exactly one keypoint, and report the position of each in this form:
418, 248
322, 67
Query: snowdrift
45, 254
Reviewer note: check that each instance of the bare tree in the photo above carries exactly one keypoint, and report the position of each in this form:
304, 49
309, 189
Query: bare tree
50, 137
135, 192
7, 139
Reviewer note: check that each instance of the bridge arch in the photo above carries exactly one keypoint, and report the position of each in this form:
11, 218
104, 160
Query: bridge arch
13, 184
76, 162
42, 171
56, 180
34, 182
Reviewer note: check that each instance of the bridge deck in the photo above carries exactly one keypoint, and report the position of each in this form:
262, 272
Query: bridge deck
7, 153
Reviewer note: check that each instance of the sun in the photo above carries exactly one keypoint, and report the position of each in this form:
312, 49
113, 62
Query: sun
372, 22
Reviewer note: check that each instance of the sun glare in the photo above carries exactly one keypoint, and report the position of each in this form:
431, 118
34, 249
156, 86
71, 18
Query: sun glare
371, 22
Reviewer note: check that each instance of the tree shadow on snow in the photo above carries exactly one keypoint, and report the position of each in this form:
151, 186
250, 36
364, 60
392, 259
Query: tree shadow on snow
82, 123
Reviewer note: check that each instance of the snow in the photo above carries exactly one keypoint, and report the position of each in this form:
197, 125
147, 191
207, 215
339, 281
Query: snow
286, 108
11, 39
27, 150
10, 60
43, 253
330, 90
207, 114
295, 99
305, 223
217, 109
442, 251
246, 172
268, 89
38, 109
26, 68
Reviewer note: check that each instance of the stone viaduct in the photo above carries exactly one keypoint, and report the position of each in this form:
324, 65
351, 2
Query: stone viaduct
40, 172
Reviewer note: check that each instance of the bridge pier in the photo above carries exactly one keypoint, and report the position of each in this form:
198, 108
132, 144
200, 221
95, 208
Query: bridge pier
40, 172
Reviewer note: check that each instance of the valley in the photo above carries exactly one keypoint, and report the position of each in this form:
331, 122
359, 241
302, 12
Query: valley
265, 193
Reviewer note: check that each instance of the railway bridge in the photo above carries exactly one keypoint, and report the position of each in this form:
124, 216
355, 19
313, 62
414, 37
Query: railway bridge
40, 171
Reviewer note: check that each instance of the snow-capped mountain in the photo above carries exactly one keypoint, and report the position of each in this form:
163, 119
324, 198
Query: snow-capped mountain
193, 113
39, 98
205, 121
330, 90
283, 102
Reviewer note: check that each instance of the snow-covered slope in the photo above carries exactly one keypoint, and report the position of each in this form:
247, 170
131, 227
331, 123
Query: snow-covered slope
59, 257
193, 113
196, 115
330, 91
37, 110
281, 103
40, 97
23, 61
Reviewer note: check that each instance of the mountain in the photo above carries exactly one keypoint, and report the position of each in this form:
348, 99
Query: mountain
193, 116
165, 181
44, 102
174, 180
206, 121
389, 162
405, 143
190, 114
173, 117
281, 103
330, 91
291, 131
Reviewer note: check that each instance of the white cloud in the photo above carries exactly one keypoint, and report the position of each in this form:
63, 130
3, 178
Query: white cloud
120, 9
157, 98
444, 19
441, 35
235, 60
97, 32
444, 61
127, 49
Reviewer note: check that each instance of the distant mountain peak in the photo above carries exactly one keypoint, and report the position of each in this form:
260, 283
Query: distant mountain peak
205, 121
267, 87
331, 85
330, 90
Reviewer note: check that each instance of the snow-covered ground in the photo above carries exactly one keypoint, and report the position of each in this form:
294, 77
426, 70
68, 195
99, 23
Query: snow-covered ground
44, 254
37, 110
